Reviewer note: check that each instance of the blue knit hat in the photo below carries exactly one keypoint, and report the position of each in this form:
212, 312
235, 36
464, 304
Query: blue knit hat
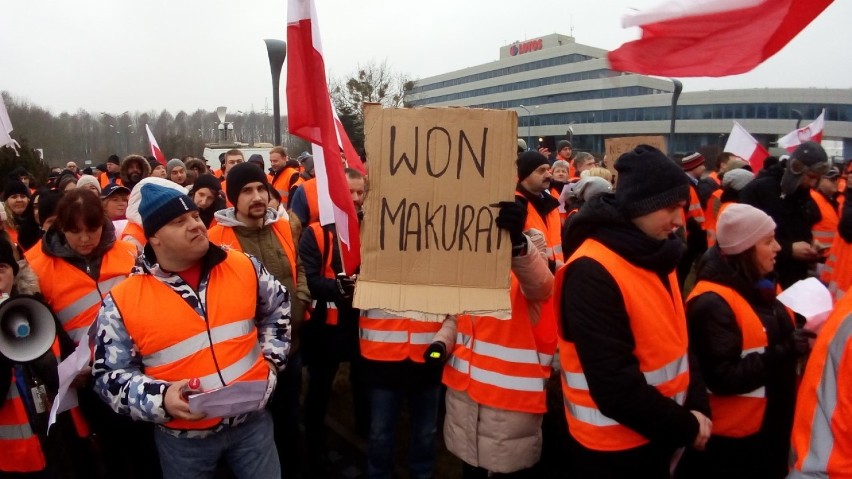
159, 205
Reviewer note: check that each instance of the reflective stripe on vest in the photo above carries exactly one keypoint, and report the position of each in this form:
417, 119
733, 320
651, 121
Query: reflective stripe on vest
499, 362
737, 415
21, 449
72, 293
658, 323
177, 342
387, 337
825, 230
821, 443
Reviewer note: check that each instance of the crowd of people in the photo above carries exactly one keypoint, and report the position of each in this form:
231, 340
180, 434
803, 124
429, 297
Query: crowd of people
644, 338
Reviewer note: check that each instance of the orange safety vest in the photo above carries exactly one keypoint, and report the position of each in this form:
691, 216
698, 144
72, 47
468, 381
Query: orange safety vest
281, 182
742, 414
825, 230
104, 180
387, 337
224, 236
551, 227
658, 323
72, 294
711, 216
21, 447
837, 273
136, 231
713, 175
694, 210
331, 313
310, 188
13, 234
821, 442
503, 363
219, 349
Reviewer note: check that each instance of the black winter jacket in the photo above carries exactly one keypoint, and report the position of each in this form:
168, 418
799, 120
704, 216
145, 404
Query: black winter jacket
715, 340
595, 319
794, 216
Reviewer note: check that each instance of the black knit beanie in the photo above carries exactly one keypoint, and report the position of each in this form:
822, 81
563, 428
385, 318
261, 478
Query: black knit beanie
15, 187
648, 181
113, 159
7, 255
528, 162
241, 175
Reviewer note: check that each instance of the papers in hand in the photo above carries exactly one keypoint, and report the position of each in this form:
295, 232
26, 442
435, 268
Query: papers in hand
811, 299
73, 365
238, 398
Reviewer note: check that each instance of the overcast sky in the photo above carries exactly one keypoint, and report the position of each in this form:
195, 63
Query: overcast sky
115, 55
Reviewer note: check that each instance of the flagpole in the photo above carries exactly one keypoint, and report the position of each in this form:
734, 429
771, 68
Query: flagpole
678, 87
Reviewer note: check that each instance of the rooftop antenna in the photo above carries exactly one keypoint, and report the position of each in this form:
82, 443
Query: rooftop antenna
571, 22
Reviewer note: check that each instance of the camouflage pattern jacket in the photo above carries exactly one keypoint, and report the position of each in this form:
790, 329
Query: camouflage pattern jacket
119, 374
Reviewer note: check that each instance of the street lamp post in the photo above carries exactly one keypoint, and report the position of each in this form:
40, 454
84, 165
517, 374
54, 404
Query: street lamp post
529, 124
798, 116
678, 87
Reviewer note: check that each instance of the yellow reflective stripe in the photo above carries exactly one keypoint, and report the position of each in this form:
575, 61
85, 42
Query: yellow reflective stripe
232, 372
87, 300
198, 342
507, 382
375, 335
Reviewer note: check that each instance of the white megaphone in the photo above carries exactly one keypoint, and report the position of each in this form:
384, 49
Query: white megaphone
27, 329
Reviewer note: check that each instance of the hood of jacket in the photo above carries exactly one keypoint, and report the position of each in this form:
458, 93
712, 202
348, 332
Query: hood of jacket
228, 217
146, 171
601, 220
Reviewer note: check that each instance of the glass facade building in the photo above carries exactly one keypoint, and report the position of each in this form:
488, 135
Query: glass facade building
562, 89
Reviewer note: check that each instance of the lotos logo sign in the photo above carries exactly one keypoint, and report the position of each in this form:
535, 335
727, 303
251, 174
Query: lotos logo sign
526, 47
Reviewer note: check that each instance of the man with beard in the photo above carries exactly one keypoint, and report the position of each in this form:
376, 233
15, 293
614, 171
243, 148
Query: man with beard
133, 169
542, 214
251, 226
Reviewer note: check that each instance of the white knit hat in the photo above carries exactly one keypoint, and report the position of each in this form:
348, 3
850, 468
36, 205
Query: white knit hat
740, 227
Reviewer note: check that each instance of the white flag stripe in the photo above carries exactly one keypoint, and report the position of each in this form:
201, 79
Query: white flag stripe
685, 8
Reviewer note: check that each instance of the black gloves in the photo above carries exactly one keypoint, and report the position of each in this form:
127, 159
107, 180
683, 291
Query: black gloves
436, 353
512, 217
345, 287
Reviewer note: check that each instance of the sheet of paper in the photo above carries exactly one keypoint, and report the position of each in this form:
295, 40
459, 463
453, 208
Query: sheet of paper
811, 299
66, 397
238, 398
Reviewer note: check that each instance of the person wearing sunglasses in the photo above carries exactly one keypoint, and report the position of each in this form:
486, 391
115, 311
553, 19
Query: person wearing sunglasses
783, 192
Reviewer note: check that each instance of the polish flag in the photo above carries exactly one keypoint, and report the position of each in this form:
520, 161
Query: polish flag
311, 116
811, 132
711, 38
155, 148
741, 143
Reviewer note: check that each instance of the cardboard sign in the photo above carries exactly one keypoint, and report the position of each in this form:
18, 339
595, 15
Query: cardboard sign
616, 147
428, 239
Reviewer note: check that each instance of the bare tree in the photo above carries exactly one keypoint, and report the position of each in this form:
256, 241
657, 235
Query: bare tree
371, 83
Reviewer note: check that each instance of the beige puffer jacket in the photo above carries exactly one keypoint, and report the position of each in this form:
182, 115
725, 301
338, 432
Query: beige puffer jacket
496, 439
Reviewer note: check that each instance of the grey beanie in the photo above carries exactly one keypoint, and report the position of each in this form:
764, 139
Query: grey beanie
172, 164
590, 186
737, 179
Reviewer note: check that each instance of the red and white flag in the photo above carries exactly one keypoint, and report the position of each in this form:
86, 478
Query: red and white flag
311, 116
711, 38
741, 143
155, 148
811, 132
